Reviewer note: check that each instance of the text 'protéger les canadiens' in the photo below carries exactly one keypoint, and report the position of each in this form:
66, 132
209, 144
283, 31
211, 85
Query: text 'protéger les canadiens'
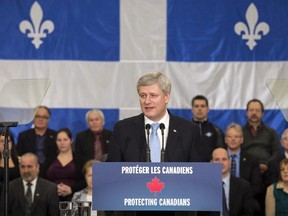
156, 170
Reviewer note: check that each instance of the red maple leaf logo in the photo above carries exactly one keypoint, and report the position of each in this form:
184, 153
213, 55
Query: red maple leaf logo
155, 186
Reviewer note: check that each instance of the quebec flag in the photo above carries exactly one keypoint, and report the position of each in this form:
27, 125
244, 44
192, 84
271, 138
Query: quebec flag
93, 52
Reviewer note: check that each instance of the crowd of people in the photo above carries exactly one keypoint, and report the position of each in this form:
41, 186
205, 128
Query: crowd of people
46, 166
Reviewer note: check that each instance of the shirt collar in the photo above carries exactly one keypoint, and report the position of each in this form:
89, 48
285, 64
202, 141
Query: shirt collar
164, 120
32, 182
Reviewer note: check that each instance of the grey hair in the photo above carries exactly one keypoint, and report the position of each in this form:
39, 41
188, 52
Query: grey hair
30, 154
236, 127
95, 111
153, 78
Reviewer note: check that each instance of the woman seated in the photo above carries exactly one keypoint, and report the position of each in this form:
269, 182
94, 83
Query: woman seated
86, 193
66, 168
277, 193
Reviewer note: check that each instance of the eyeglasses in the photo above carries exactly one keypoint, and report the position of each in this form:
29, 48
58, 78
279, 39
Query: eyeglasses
233, 137
285, 138
41, 117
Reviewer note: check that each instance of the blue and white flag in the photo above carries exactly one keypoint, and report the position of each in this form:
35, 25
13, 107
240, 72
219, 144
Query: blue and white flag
93, 52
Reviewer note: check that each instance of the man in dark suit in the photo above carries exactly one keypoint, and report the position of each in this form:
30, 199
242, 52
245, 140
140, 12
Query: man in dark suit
273, 172
181, 137
40, 140
237, 190
247, 167
43, 193
93, 143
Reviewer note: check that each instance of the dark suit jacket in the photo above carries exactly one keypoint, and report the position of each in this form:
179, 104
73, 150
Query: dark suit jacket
45, 201
27, 142
128, 142
240, 199
273, 173
84, 144
249, 170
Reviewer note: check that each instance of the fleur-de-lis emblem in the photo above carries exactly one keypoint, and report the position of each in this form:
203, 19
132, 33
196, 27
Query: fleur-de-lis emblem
252, 31
37, 29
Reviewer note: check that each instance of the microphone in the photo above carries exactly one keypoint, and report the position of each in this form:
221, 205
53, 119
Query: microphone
162, 127
147, 127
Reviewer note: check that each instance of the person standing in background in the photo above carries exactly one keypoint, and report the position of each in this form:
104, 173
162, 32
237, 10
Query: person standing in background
93, 143
212, 136
40, 139
260, 141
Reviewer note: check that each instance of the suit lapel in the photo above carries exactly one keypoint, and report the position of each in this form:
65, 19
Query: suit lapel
232, 192
173, 137
37, 195
139, 128
20, 189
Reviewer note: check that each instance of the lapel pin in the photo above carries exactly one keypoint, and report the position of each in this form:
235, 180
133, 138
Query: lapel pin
175, 131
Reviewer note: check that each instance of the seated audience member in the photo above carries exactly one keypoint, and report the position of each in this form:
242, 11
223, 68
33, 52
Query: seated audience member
65, 169
277, 193
212, 136
273, 172
237, 191
30, 194
39, 140
13, 158
93, 143
86, 193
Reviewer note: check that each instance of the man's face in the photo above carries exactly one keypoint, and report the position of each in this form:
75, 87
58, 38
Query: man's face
233, 139
95, 122
221, 156
284, 141
29, 169
200, 110
254, 113
153, 101
41, 119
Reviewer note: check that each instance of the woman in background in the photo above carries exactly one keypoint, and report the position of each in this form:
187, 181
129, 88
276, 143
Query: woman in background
65, 169
277, 193
13, 159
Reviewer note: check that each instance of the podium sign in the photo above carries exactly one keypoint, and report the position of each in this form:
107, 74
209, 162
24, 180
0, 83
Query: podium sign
157, 186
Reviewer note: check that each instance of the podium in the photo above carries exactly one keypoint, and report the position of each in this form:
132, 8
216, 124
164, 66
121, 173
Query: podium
157, 186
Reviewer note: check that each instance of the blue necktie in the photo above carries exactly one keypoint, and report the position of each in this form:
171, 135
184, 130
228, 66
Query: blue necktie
155, 143
233, 165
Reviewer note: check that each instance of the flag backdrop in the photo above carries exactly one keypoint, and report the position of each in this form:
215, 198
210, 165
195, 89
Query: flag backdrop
93, 52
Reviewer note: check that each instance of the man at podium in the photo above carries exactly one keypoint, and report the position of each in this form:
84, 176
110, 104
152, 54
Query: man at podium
173, 140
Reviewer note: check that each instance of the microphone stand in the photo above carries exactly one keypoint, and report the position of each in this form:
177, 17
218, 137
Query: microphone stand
162, 127
147, 127
6, 154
